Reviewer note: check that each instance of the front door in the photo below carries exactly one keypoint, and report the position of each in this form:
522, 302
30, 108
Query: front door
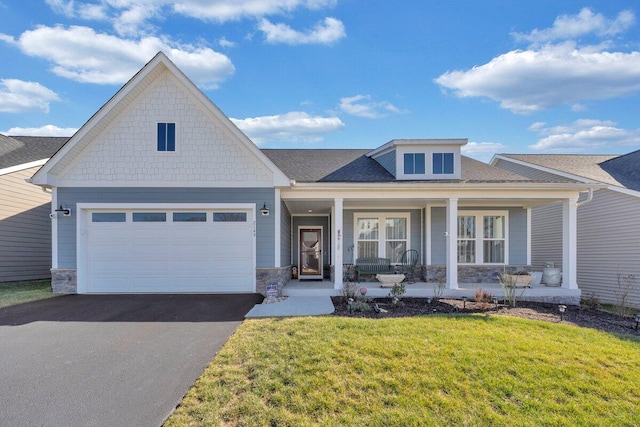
310, 253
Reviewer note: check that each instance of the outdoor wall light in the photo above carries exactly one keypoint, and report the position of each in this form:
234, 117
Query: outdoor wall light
562, 309
264, 210
65, 211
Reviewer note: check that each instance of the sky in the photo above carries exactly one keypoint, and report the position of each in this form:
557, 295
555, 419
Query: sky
541, 76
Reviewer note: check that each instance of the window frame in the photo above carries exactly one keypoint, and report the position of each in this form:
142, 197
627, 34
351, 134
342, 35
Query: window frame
443, 163
413, 156
479, 235
168, 125
382, 231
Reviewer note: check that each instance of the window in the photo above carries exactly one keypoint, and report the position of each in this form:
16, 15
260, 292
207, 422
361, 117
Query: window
414, 164
372, 242
166, 137
230, 217
149, 217
486, 245
442, 163
189, 216
108, 217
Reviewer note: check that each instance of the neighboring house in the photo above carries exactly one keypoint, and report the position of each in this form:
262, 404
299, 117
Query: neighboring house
25, 227
608, 224
165, 194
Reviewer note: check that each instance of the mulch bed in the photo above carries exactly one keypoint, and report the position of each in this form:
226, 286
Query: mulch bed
579, 316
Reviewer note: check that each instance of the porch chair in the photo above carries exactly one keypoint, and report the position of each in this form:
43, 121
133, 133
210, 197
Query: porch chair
408, 263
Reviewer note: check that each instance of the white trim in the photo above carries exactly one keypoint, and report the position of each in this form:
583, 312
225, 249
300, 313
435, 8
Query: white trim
381, 229
528, 236
338, 238
298, 260
479, 239
83, 210
452, 242
54, 229
569, 243
23, 166
277, 238
428, 235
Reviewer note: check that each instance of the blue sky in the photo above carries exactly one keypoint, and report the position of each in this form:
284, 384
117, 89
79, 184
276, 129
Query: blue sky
511, 76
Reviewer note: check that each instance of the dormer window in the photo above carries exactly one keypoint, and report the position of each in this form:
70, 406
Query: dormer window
414, 164
442, 163
166, 137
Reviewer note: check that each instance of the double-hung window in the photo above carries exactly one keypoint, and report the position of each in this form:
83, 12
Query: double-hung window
382, 235
166, 137
442, 163
482, 238
414, 164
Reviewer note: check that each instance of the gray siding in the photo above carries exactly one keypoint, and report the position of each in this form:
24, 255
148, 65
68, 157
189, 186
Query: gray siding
608, 244
546, 236
285, 235
517, 235
308, 221
265, 229
388, 161
25, 229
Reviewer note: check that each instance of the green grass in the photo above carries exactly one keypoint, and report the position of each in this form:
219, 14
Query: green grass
21, 292
427, 371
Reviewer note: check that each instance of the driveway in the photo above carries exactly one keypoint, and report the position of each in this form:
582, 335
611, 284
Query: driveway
106, 360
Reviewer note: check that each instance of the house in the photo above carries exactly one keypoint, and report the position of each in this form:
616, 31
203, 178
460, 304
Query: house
608, 222
25, 227
161, 192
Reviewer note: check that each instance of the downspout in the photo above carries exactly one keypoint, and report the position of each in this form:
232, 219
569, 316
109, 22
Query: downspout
587, 200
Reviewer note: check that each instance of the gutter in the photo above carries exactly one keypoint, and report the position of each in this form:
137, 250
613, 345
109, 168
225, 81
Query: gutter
587, 200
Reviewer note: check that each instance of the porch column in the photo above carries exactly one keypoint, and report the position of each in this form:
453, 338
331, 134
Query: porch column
452, 243
569, 243
337, 243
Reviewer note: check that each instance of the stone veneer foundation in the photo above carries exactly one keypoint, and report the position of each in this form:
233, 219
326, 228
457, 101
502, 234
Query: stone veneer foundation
64, 281
470, 274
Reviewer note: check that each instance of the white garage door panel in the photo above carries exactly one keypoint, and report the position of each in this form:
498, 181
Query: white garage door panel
170, 257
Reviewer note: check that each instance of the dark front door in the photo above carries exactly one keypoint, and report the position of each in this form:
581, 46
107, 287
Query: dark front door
310, 253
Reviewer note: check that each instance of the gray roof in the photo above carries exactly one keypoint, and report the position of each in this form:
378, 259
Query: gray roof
18, 150
612, 169
337, 165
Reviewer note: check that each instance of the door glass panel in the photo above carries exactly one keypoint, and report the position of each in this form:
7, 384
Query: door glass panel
149, 217
108, 217
310, 252
189, 216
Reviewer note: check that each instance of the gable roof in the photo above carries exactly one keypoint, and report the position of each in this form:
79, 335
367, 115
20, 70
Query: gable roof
125, 97
336, 165
612, 169
19, 150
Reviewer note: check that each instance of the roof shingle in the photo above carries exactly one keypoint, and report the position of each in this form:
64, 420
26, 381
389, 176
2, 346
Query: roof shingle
18, 150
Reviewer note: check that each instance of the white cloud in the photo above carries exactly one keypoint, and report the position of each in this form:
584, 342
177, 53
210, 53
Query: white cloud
47, 130
81, 54
482, 151
534, 80
295, 126
227, 44
585, 135
567, 27
547, 76
74, 9
364, 106
325, 32
18, 96
230, 10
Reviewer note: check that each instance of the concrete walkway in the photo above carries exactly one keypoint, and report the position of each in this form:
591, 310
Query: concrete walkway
293, 306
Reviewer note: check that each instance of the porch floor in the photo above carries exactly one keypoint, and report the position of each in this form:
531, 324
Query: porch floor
537, 293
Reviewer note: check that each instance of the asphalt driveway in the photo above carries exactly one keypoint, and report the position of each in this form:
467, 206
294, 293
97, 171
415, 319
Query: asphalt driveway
109, 360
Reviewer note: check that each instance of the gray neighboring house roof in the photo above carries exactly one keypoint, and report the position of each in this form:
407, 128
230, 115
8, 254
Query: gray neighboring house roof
18, 150
613, 169
342, 165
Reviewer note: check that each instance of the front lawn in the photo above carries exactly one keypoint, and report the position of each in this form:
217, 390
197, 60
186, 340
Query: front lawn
472, 370
21, 292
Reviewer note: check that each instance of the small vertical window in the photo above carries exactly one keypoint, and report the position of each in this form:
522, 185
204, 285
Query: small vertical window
414, 164
442, 163
166, 137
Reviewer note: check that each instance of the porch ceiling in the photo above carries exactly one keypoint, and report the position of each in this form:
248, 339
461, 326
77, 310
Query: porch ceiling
323, 207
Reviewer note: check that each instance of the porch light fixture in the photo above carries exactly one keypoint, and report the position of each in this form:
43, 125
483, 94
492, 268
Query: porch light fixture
562, 309
265, 210
65, 211
637, 320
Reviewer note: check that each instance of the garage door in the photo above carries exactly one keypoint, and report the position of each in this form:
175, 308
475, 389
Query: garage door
180, 250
